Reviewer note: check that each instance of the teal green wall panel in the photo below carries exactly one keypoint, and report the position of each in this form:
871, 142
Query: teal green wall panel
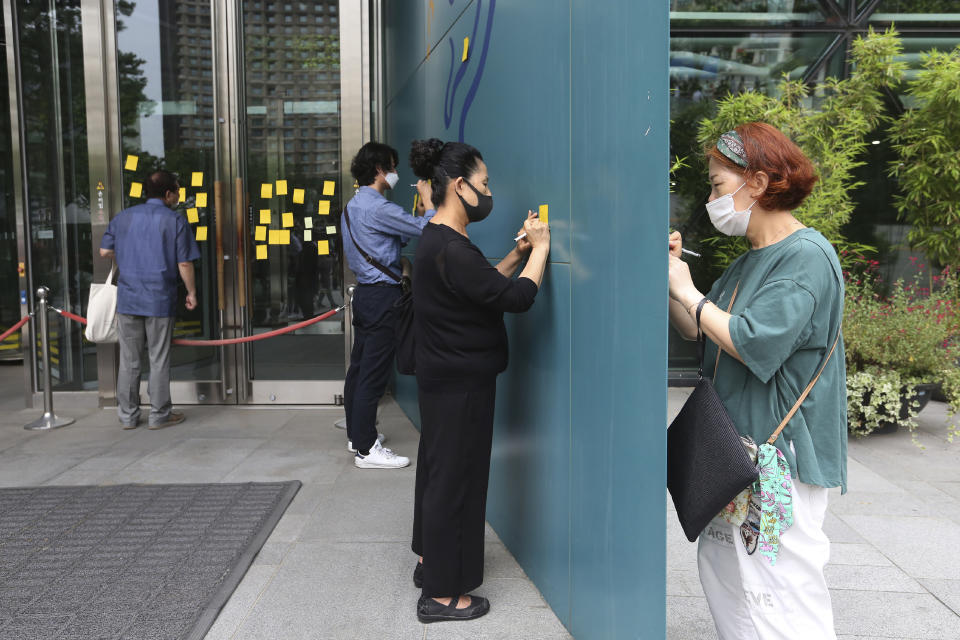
567, 103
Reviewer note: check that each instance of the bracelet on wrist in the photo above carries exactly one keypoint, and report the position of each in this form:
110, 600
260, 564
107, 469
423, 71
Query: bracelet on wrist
691, 308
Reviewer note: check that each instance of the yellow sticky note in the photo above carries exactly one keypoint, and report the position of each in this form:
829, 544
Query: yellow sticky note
260, 234
265, 216
544, 216
298, 196
261, 252
323, 247
308, 222
331, 230
287, 220
202, 199
281, 187
193, 216
266, 190
285, 236
131, 164
201, 234
135, 189
466, 49
183, 194
307, 235
328, 187
274, 236
197, 179
324, 208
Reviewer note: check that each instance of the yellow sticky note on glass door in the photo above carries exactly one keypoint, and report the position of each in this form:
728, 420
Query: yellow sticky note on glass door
135, 189
266, 190
261, 252
323, 247
287, 220
201, 234
197, 179
324, 208
328, 187
274, 236
260, 234
183, 194
298, 195
466, 49
285, 236
544, 214
281, 187
193, 217
265, 216
131, 164
201, 200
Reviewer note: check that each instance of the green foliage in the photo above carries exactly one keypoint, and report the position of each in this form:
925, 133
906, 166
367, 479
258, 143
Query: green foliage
926, 139
874, 397
833, 135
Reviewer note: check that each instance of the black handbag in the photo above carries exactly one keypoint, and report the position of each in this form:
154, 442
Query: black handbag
707, 464
402, 311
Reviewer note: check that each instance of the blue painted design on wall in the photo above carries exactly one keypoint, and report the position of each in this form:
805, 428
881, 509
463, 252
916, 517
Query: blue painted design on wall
451, 92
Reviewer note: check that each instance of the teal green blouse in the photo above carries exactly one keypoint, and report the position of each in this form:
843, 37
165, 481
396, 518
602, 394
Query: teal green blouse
785, 318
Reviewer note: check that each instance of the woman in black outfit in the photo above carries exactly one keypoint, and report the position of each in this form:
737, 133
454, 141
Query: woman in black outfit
459, 299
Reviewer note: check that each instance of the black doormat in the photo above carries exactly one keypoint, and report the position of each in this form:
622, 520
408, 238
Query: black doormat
128, 561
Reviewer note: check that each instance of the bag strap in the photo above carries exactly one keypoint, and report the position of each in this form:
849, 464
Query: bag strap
367, 256
729, 307
113, 267
702, 338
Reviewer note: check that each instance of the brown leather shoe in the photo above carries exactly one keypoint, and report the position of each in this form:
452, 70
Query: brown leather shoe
172, 419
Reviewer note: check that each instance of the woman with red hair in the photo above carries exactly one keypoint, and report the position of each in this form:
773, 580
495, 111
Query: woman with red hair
772, 322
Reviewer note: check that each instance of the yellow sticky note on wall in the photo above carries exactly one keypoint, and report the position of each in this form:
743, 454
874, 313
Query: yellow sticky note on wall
298, 196
197, 179
285, 236
136, 189
202, 199
274, 236
331, 230
281, 187
544, 215
266, 190
265, 216
466, 49
261, 252
260, 234
183, 194
193, 216
324, 208
323, 247
287, 220
201, 234
328, 187
307, 235
131, 164
308, 222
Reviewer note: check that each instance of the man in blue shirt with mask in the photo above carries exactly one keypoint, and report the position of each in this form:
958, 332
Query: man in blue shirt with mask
380, 228
152, 243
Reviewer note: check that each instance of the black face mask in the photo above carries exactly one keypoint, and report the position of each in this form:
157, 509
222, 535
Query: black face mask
479, 211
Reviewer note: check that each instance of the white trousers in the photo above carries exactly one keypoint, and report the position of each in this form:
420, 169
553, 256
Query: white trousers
751, 600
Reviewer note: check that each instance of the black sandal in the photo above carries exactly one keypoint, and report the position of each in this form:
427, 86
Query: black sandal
429, 610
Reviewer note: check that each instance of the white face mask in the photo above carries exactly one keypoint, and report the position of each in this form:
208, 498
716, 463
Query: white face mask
392, 178
725, 217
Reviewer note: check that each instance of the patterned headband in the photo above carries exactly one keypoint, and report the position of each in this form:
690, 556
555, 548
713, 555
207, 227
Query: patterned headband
731, 145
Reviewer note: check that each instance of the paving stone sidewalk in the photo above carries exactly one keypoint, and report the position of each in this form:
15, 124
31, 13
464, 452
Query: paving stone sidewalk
337, 566
894, 570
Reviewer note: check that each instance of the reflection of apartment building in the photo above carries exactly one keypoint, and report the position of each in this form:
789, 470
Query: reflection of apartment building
292, 81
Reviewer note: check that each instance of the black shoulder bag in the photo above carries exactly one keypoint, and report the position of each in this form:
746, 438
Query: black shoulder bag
402, 310
707, 464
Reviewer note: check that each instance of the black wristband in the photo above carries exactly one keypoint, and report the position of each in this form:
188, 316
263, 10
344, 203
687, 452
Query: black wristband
700, 304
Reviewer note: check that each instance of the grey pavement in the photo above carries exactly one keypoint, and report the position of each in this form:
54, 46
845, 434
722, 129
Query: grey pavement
338, 564
894, 569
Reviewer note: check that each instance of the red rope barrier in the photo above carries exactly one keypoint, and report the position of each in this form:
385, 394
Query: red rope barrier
213, 343
22, 322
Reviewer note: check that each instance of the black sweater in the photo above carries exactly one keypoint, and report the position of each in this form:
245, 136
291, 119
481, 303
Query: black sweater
459, 299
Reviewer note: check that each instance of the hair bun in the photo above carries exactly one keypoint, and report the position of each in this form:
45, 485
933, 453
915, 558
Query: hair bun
425, 157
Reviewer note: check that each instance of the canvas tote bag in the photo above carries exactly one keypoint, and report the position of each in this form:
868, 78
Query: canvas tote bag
102, 311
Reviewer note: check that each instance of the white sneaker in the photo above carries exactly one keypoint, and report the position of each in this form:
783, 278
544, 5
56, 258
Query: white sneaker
380, 458
380, 439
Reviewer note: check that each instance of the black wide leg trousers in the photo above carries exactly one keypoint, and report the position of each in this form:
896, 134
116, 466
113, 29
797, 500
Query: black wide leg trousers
453, 469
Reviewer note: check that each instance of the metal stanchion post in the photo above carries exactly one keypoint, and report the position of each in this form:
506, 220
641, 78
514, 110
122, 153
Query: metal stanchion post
49, 419
348, 303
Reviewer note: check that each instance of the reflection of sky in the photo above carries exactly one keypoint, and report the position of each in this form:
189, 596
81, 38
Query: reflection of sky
141, 36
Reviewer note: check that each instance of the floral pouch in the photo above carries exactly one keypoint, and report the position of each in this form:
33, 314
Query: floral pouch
736, 512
